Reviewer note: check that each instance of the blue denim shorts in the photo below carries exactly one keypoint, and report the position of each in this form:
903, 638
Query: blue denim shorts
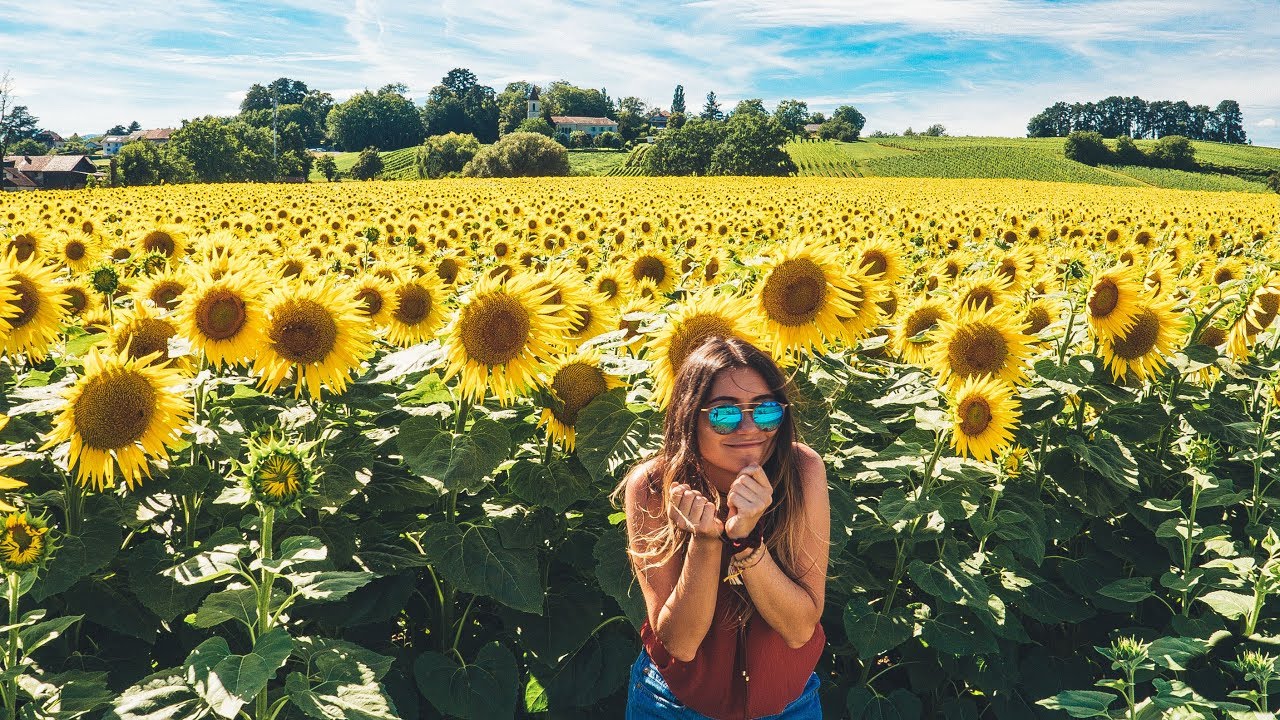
649, 698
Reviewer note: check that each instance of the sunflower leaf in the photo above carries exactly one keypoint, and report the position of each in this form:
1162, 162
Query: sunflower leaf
486, 688
610, 434
45, 632
460, 461
475, 561
329, 584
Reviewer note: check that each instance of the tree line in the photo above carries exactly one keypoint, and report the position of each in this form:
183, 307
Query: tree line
1134, 117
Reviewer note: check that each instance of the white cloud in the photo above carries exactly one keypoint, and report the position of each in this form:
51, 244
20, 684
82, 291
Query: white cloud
1267, 123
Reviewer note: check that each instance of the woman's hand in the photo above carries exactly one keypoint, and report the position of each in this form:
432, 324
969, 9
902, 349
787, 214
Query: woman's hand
691, 511
749, 496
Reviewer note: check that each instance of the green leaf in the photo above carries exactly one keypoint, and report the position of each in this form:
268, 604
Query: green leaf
91, 550
227, 681
1134, 422
1176, 653
1230, 605
164, 696
1080, 703
340, 661
957, 632
159, 593
340, 700
900, 704
294, 550
219, 560
874, 633
1130, 590
616, 576
328, 584
240, 604
475, 561
1105, 455
67, 695
556, 485
462, 461
610, 435
535, 696
476, 691
41, 633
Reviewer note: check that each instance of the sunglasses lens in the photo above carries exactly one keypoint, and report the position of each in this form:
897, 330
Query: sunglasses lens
768, 415
725, 419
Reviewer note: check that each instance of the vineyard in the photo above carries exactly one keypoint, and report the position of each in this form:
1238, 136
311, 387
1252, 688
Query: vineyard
345, 451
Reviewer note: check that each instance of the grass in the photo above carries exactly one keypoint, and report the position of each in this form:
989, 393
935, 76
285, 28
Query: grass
396, 165
837, 159
595, 162
1183, 180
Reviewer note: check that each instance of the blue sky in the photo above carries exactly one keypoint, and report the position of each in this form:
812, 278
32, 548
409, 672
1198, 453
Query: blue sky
979, 67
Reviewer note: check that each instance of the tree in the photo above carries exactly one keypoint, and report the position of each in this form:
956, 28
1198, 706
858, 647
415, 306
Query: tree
281, 91
563, 98
685, 150
676, 121
16, 123
608, 140
1174, 151
837, 129
850, 114
792, 115
711, 110
1230, 122
28, 146
368, 164
817, 117
752, 145
536, 125
460, 104
513, 106
143, 163
580, 139
677, 100
751, 106
441, 155
328, 167
386, 120
520, 154
116, 130
224, 150
1128, 153
1086, 146
134, 127
935, 130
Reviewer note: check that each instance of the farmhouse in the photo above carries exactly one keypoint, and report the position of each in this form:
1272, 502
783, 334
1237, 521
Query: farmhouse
11, 180
49, 139
592, 126
111, 144
658, 120
51, 172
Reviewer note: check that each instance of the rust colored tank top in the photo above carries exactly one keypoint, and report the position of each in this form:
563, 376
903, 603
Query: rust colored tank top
737, 673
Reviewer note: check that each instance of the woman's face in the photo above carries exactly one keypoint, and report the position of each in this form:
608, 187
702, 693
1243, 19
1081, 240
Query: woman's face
724, 456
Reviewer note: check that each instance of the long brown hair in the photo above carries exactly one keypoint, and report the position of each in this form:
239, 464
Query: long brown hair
679, 460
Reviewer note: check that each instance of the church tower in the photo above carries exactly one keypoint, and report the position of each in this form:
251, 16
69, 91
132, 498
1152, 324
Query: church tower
535, 107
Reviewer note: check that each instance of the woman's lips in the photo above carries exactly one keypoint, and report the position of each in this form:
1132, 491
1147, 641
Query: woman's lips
758, 443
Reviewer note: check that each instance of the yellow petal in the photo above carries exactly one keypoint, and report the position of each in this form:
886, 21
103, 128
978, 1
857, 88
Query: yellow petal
8, 483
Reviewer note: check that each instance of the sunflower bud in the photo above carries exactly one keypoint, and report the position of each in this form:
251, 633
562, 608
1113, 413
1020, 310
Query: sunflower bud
105, 279
279, 473
25, 543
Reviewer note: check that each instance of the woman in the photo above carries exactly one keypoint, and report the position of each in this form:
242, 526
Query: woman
729, 529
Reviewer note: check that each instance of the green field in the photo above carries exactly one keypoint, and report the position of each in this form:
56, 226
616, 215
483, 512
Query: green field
396, 165
1183, 180
595, 162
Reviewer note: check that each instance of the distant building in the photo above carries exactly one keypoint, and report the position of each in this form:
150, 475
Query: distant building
535, 106
49, 139
812, 128
12, 181
50, 172
111, 144
592, 126
658, 120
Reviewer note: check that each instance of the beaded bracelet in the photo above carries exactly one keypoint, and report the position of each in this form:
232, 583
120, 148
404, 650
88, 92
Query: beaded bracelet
738, 566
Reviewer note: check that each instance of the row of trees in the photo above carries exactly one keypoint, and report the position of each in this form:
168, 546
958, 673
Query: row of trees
1136, 118
211, 149
1090, 148
749, 142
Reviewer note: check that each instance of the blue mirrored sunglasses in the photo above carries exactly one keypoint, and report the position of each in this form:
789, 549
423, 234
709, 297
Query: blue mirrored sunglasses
726, 419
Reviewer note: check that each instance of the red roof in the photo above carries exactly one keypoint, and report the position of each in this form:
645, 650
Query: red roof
157, 134
50, 163
579, 120
17, 179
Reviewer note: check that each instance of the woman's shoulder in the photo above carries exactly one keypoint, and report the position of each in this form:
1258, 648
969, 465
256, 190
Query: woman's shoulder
807, 458
642, 477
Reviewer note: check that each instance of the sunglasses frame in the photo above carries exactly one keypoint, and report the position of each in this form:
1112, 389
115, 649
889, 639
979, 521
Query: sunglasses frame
742, 415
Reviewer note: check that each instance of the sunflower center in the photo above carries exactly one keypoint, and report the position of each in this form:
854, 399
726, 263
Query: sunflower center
75, 250
414, 305
145, 336
23, 247
921, 320
114, 409
280, 476
495, 329
220, 314
580, 320
1105, 298
691, 333
159, 241
875, 262
372, 300
77, 299
165, 294
576, 385
794, 292
1140, 339
21, 537
977, 349
608, 287
27, 301
292, 268
1223, 275
980, 298
975, 416
1212, 336
303, 332
1269, 304
448, 270
1037, 319
649, 267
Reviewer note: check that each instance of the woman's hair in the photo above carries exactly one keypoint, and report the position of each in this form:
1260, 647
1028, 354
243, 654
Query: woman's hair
679, 460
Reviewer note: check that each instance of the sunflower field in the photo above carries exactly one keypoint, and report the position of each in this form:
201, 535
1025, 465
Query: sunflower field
348, 451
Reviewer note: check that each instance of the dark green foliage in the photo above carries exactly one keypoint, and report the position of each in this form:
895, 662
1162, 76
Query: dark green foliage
143, 163
460, 104
1273, 182
752, 146
608, 139
685, 150
368, 164
223, 150
792, 115
1127, 152
386, 120
711, 109
1174, 151
328, 167
1132, 116
564, 98
850, 114
1086, 147
580, 139
27, 146
677, 100
441, 155
520, 154
837, 129
536, 125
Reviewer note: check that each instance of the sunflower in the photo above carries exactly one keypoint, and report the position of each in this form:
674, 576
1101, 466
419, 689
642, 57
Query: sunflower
121, 412
500, 334
865, 301
634, 318
1161, 277
804, 294
225, 318
611, 284
1039, 314
169, 241
451, 268
705, 315
164, 289
23, 245
983, 293
655, 265
595, 317
76, 251
1016, 266
375, 298
33, 306
1141, 348
278, 473
913, 336
417, 310
984, 414
571, 384
79, 296
1114, 300
1259, 313
976, 344
881, 259
142, 332
24, 542
7, 483
317, 332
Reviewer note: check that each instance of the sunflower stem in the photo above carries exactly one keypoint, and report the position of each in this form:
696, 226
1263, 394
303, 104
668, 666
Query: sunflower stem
548, 449
267, 515
11, 652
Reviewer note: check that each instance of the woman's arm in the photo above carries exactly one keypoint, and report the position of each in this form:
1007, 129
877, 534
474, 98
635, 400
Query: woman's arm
795, 609
680, 595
